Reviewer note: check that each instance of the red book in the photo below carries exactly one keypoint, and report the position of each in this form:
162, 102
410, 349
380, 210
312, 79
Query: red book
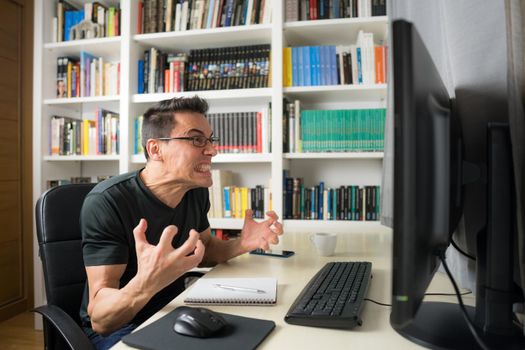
258, 148
167, 80
140, 17
379, 64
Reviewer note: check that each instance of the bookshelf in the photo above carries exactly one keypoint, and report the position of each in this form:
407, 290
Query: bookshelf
250, 169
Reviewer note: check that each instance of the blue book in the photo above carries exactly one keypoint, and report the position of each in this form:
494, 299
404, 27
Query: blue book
359, 67
335, 9
140, 88
327, 79
300, 68
333, 65
313, 213
314, 62
229, 13
295, 64
329, 204
320, 207
85, 73
322, 76
227, 204
67, 24
334, 204
307, 66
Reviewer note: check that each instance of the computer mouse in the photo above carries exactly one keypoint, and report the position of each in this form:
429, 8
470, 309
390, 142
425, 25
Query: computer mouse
198, 322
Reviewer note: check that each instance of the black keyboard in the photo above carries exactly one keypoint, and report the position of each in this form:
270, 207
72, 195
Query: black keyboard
333, 298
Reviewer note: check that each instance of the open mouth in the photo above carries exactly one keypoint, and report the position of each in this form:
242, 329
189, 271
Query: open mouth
203, 168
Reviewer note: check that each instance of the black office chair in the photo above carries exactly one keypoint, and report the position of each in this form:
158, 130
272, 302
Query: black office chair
59, 240
60, 249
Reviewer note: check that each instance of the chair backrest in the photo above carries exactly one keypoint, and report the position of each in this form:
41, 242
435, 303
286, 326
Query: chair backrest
59, 240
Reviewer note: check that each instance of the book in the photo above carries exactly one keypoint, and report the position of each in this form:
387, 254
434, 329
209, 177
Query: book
236, 291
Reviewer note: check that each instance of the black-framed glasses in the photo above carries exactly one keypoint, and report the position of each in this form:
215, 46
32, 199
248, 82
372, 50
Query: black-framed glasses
198, 141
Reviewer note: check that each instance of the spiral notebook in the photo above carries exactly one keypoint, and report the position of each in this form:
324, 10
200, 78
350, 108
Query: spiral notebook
235, 291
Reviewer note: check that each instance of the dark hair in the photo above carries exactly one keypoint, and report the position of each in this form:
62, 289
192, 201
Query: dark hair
159, 120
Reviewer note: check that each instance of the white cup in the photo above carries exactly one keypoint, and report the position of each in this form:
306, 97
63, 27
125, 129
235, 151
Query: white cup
324, 242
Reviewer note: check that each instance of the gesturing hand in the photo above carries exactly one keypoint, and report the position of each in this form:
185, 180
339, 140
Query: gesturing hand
260, 234
160, 265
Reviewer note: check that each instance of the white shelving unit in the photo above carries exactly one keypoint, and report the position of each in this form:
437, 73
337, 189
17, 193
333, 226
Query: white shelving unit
334, 169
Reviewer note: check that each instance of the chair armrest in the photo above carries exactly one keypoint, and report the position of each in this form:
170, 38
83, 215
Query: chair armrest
66, 327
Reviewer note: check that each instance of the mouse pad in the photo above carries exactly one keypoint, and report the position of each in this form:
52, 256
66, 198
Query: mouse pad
241, 333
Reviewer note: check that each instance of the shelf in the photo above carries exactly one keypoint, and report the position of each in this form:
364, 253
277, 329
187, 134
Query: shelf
223, 158
105, 47
242, 158
331, 226
337, 93
306, 225
214, 96
341, 31
208, 38
334, 155
228, 224
111, 157
81, 100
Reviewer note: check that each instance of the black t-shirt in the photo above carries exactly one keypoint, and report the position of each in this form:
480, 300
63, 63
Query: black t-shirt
110, 213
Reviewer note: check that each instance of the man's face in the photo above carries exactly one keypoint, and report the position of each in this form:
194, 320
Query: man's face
186, 163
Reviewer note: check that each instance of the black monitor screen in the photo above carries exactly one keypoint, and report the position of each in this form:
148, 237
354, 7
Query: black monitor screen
428, 183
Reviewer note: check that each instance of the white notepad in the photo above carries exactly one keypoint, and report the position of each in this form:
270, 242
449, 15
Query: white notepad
235, 291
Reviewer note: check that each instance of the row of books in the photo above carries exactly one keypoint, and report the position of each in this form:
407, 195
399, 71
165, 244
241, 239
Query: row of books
76, 180
352, 130
204, 69
93, 20
87, 76
161, 72
229, 201
93, 135
239, 132
358, 130
180, 15
242, 132
355, 203
304, 10
362, 63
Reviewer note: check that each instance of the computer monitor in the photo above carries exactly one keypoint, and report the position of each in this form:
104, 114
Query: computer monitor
429, 174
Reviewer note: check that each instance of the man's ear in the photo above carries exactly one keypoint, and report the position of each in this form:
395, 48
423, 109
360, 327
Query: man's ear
154, 149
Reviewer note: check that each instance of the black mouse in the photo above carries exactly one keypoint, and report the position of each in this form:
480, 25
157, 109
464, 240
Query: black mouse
198, 322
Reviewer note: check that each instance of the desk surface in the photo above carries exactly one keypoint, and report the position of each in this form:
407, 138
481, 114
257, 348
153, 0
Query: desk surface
292, 275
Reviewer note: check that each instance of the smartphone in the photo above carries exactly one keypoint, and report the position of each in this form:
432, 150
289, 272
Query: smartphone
273, 252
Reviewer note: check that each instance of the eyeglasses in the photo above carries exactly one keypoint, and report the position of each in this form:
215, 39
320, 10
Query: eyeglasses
198, 141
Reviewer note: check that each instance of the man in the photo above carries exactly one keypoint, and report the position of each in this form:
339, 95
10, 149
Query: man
143, 230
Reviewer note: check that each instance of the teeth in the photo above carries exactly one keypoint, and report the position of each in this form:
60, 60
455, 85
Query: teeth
203, 167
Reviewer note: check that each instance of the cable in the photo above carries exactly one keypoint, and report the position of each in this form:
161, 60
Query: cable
443, 294
449, 294
461, 250
377, 302
470, 325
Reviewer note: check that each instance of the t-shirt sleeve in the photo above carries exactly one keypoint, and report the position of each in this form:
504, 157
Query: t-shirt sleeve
104, 241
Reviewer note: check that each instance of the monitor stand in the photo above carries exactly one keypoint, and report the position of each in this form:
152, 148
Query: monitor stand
440, 325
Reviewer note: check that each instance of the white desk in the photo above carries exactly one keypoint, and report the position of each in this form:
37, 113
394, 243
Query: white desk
293, 273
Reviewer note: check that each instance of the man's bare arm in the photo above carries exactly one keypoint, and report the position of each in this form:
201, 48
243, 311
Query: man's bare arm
110, 307
157, 266
254, 235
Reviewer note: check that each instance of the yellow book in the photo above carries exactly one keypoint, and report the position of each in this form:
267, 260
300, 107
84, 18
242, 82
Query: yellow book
238, 203
85, 137
244, 201
287, 66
